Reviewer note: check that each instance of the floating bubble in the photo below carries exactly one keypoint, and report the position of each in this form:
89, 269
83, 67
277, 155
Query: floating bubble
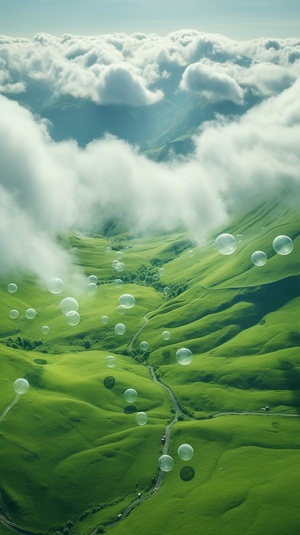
14, 314
166, 290
45, 329
92, 279
226, 244
92, 286
21, 386
127, 300
191, 253
114, 263
130, 395
105, 320
108, 249
141, 418
202, 243
239, 237
184, 356
119, 255
68, 304
121, 310
161, 271
120, 266
55, 285
155, 277
185, 452
144, 346
259, 258
283, 245
166, 335
30, 313
187, 473
12, 288
73, 318
110, 361
166, 463
118, 282
120, 328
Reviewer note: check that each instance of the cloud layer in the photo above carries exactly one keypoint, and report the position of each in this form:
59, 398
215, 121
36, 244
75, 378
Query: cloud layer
46, 187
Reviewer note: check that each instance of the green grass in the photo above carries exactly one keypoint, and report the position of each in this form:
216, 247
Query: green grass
72, 455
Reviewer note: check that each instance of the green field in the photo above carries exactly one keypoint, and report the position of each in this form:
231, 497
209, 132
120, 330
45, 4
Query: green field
72, 456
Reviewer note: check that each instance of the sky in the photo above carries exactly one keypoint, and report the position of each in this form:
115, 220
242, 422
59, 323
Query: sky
245, 55
237, 19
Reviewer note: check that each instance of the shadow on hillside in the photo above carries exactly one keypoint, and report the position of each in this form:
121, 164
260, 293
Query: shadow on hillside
292, 378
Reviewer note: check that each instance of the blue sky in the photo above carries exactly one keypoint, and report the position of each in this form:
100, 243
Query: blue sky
237, 19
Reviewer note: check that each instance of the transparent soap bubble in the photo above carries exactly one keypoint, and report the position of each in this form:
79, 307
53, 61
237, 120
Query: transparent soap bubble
21, 386
166, 463
45, 329
12, 288
92, 286
121, 310
283, 245
166, 335
161, 271
185, 452
119, 255
110, 361
226, 244
239, 237
108, 249
120, 328
92, 279
14, 314
144, 346
127, 300
118, 282
259, 258
155, 277
105, 320
184, 356
114, 263
119, 266
55, 285
141, 418
166, 290
191, 253
30, 313
68, 304
130, 395
73, 318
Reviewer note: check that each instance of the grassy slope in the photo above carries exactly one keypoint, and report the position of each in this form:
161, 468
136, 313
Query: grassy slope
70, 445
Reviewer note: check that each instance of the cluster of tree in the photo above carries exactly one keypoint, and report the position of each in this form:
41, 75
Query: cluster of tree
23, 343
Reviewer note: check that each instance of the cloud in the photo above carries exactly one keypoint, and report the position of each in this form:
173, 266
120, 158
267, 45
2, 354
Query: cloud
47, 187
206, 80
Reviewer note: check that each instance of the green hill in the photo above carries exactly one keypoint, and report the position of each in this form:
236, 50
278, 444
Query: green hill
72, 456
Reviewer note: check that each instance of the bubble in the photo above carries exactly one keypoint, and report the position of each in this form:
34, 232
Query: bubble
141, 418
191, 253
144, 346
130, 395
184, 356
114, 263
73, 318
30, 313
166, 290
120, 328
68, 304
45, 329
12, 288
120, 266
92, 279
226, 244
14, 314
92, 286
21, 386
105, 320
55, 285
118, 282
161, 271
155, 277
239, 237
108, 249
166, 335
110, 361
119, 255
283, 245
203, 242
166, 463
127, 300
185, 452
259, 258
